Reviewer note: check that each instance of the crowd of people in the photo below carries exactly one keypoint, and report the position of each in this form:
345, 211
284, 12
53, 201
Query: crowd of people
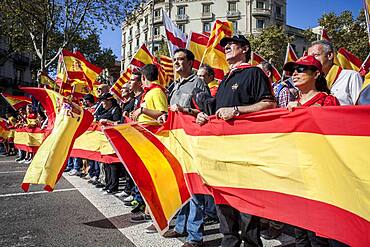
244, 89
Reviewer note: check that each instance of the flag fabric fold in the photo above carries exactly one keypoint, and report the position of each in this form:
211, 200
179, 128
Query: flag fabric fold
16, 102
175, 37
48, 163
347, 60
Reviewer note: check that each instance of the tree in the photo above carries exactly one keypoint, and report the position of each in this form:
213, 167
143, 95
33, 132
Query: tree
271, 44
50, 25
345, 31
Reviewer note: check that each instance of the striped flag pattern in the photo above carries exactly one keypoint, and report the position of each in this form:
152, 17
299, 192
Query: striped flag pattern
16, 102
347, 60
175, 37
167, 67
118, 85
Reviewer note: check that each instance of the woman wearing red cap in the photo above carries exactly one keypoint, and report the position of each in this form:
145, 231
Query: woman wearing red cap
309, 79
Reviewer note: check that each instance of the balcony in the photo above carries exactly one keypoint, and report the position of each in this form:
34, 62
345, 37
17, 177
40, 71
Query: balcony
157, 37
207, 16
157, 19
129, 38
233, 14
145, 27
183, 18
279, 17
261, 12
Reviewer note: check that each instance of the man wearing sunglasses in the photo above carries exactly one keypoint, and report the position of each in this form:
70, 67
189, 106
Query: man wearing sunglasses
344, 84
245, 89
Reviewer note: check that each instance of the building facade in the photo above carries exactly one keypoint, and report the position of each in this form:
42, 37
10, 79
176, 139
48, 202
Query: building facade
248, 17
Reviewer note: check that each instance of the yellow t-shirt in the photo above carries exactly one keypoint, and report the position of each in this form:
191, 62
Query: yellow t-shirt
155, 99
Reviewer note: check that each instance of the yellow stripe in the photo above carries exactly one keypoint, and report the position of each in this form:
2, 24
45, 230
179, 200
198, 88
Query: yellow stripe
28, 138
94, 141
327, 168
158, 167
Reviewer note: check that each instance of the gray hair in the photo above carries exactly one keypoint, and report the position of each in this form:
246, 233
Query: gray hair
327, 46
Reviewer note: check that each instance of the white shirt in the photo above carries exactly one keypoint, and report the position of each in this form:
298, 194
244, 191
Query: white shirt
347, 87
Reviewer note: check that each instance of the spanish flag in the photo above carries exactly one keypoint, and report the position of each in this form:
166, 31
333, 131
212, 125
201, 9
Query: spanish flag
156, 172
317, 179
48, 163
16, 102
47, 81
347, 60
290, 54
28, 139
214, 55
118, 85
257, 59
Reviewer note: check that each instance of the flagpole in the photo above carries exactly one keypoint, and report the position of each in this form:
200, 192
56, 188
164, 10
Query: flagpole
152, 26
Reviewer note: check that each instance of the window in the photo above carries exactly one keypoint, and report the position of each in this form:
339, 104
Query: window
181, 27
181, 10
130, 31
235, 25
278, 10
260, 5
146, 19
137, 42
260, 23
19, 75
123, 38
146, 37
207, 27
232, 6
157, 13
206, 8
156, 31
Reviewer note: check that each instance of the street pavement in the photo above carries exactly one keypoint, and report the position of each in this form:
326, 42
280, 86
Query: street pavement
76, 214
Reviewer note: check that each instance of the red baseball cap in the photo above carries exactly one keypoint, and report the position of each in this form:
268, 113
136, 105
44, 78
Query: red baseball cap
306, 60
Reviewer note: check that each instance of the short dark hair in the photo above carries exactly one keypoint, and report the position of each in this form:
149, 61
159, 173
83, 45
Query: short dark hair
150, 71
248, 53
208, 68
189, 55
89, 97
137, 72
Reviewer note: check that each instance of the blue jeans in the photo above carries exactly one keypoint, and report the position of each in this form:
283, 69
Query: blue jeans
74, 163
94, 169
190, 219
210, 206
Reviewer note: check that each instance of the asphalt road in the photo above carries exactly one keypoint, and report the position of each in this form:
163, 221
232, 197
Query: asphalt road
75, 214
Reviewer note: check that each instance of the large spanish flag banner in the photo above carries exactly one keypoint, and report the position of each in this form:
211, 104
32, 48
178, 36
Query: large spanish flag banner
156, 172
294, 167
16, 102
48, 163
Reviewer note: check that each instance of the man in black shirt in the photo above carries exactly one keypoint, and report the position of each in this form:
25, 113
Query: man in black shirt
245, 89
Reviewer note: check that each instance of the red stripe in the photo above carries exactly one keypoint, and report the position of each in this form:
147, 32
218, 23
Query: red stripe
92, 155
32, 149
325, 219
174, 163
219, 73
352, 58
139, 174
175, 40
137, 63
319, 120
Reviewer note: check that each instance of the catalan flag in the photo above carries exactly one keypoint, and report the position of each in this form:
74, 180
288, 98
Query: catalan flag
167, 67
257, 59
214, 55
347, 60
118, 85
16, 102
154, 169
48, 163
290, 54
313, 188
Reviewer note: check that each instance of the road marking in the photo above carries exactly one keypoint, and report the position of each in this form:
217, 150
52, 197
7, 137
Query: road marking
35, 192
113, 209
12, 172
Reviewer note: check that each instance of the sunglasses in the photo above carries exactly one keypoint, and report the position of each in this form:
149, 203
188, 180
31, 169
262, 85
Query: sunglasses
302, 68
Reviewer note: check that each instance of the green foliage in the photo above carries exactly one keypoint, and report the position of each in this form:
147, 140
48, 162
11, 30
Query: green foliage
271, 44
345, 31
163, 49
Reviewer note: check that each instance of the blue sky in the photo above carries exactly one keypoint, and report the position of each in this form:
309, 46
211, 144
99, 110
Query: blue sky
300, 13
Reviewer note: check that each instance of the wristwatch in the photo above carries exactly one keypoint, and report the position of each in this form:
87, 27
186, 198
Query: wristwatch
236, 111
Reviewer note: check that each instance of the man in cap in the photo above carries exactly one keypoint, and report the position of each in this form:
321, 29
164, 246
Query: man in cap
245, 89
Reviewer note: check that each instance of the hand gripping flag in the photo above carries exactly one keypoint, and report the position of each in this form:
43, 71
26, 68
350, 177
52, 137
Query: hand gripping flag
318, 179
154, 169
48, 163
16, 102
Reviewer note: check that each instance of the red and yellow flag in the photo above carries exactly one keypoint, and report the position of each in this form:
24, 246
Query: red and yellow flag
167, 67
4, 130
308, 189
347, 60
257, 59
118, 85
48, 163
290, 54
28, 139
16, 102
197, 44
47, 81
214, 54
325, 35
154, 169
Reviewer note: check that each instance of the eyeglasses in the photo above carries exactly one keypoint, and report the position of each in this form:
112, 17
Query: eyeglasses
98, 89
301, 68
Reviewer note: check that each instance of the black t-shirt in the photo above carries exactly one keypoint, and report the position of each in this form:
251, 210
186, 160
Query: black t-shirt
113, 114
243, 87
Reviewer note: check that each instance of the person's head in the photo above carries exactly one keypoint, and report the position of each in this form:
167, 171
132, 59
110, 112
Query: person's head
149, 73
307, 74
267, 68
237, 49
183, 60
88, 100
107, 101
135, 81
206, 73
323, 51
102, 89
29, 109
